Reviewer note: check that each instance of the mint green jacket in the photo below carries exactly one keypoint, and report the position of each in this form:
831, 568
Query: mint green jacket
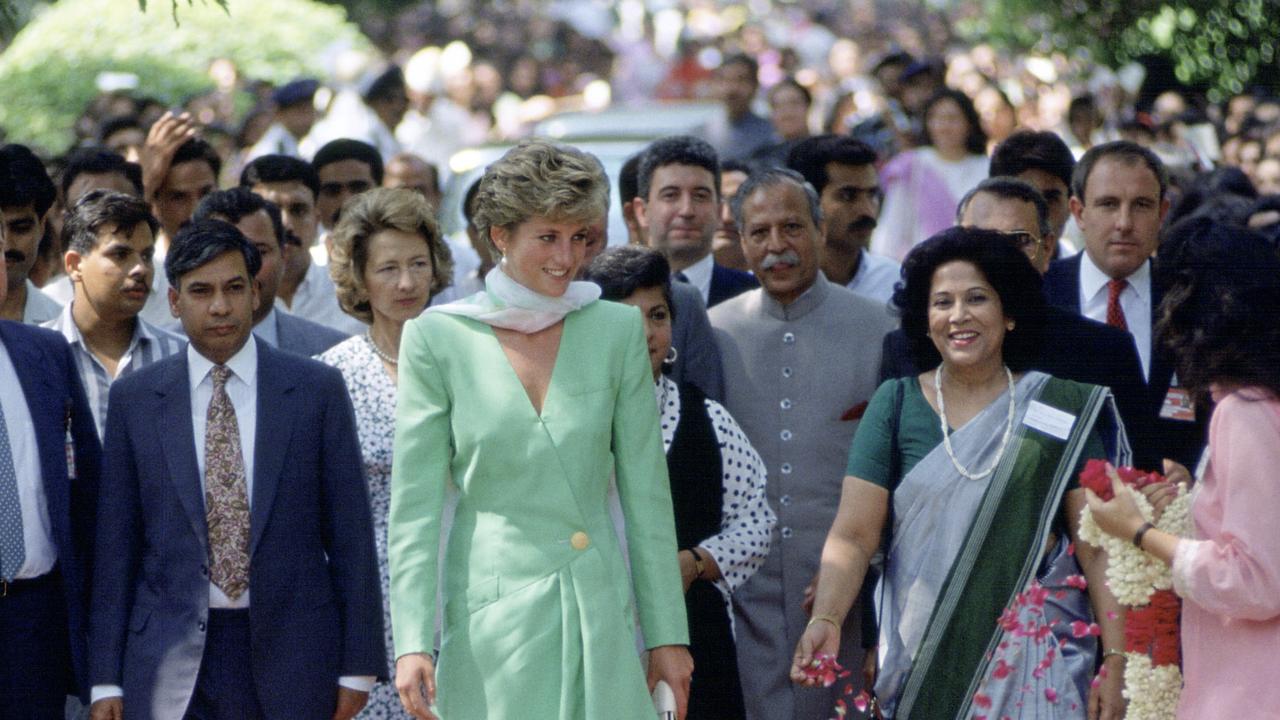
538, 621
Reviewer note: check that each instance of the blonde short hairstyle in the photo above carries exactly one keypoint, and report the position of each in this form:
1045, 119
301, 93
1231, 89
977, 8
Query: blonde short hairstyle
368, 214
538, 178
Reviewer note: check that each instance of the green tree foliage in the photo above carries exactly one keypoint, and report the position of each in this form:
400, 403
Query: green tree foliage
1221, 44
47, 76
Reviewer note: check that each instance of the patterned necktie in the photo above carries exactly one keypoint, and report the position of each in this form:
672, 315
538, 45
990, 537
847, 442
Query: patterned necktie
12, 549
226, 498
1115, 313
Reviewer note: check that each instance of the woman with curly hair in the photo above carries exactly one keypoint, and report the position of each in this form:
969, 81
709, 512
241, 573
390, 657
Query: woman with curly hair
1221, 318
387, 262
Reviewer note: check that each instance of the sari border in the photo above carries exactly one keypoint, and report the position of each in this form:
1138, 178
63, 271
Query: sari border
968, 556
1070, 458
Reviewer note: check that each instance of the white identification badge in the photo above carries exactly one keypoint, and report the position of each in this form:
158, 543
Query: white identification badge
1049, 420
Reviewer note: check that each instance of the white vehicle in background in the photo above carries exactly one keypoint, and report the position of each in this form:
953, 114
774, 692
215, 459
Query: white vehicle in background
613, 135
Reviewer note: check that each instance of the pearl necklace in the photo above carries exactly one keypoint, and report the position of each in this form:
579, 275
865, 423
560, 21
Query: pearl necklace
946, 435
389, 359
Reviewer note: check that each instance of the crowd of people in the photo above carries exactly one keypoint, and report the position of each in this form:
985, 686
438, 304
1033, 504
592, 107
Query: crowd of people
285, 449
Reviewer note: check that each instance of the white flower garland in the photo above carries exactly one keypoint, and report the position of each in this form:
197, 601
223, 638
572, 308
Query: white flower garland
1132, 576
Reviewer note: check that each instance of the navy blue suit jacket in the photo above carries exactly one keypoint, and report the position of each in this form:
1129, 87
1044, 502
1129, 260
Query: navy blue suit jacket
56, 400
728, 283
1180, 440
315, 607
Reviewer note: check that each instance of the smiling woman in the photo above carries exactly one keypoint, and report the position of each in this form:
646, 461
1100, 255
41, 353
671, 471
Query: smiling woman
978, 460
558, 397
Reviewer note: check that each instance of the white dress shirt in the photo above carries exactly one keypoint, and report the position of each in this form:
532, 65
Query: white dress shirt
876, 277
242, 389
40, 308
37, 533
1135, 300
699, 276
316, 299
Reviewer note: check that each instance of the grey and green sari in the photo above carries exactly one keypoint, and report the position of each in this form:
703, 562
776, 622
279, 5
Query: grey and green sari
962, 550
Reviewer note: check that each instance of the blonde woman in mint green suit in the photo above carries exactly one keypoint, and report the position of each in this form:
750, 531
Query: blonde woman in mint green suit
527, 397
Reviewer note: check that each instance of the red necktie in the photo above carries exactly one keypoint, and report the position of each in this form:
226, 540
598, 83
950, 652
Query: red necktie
1115, 313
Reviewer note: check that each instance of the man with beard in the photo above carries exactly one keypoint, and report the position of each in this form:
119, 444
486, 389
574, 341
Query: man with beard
843, 171
26, 194
801, 359
111, 243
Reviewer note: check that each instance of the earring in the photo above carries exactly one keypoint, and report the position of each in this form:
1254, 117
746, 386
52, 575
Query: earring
672, 354
1008, 327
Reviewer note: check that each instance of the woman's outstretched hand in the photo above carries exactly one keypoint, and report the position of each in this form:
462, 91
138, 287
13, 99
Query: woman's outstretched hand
673, 664
416, 683
820, 638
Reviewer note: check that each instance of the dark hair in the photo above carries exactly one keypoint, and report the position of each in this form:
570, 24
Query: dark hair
469, 201
200, 242
811, 156
629, 179
735, 166
99, 208
676, 150
975, 142
1007, 188
753, 67
280, 169
1220, 316
98, 161
622, 270
1082, 104
235, 205
197, 149
25, 181
1007, 269
792, 83
113, 125
1126, 152
1028, 150
348, 149
772, 177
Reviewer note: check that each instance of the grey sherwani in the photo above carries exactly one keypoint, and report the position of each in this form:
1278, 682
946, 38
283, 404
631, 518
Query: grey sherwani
796, 378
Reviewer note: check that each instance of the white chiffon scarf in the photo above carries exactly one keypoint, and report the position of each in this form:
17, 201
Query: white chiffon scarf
507, 304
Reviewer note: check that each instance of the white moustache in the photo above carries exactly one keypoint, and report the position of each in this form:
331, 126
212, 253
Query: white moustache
789, 257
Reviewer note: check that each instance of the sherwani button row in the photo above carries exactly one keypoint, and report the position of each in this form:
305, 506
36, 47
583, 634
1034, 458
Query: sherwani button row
785, 404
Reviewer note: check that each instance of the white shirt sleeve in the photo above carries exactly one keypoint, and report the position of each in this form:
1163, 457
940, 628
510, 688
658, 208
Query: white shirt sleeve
746, 520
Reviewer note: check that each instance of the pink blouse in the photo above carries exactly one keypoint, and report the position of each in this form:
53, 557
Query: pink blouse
1230, 579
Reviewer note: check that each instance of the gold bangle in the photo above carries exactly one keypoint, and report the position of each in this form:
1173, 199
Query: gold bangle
1116, 653
822, 618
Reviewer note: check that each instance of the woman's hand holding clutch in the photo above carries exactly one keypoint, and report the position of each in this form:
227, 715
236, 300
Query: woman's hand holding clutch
416, 683
673, 664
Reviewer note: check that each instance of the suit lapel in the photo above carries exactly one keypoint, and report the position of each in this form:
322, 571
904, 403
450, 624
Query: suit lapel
179, 445
48, 407
271, 441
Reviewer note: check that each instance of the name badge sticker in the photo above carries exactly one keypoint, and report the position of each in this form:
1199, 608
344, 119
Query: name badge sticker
1049, 420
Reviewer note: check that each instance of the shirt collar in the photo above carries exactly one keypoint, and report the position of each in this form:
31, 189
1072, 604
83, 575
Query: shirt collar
244, 364
65, 323
269, 329
699, 274
801, 306
1094, 281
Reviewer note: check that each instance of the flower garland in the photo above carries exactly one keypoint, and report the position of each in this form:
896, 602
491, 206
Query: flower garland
1152, 678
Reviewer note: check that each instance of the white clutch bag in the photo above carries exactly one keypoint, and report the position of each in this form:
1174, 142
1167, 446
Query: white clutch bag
664, 701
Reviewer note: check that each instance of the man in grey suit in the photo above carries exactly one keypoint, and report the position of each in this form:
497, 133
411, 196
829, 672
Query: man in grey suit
801, 358
260, 221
